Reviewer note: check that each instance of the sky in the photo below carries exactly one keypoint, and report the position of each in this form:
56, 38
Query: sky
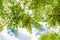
22, 34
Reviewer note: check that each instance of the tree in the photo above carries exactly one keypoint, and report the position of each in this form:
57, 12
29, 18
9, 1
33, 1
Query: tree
50, 36
13, 13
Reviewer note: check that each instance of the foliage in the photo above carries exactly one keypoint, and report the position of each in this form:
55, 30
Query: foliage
12, 13
50, 36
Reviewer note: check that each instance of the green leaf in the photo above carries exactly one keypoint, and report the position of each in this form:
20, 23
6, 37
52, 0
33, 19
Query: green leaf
50, 36
1, 27
29, 29
37, 26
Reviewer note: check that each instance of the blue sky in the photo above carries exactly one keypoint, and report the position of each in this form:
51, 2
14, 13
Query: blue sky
22, 34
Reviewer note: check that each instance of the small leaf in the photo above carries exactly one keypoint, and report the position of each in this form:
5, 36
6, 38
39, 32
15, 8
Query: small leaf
37, 26
1, 27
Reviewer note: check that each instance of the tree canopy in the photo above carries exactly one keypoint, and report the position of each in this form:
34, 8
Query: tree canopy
28, 13
50, 36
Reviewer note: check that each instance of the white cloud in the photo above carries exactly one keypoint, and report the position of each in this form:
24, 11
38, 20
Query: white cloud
22, 35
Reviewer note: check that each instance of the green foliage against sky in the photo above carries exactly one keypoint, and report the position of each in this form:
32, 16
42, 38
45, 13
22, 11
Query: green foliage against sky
13, 14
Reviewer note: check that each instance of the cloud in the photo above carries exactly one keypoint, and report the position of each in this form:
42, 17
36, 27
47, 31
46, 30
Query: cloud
22, 35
